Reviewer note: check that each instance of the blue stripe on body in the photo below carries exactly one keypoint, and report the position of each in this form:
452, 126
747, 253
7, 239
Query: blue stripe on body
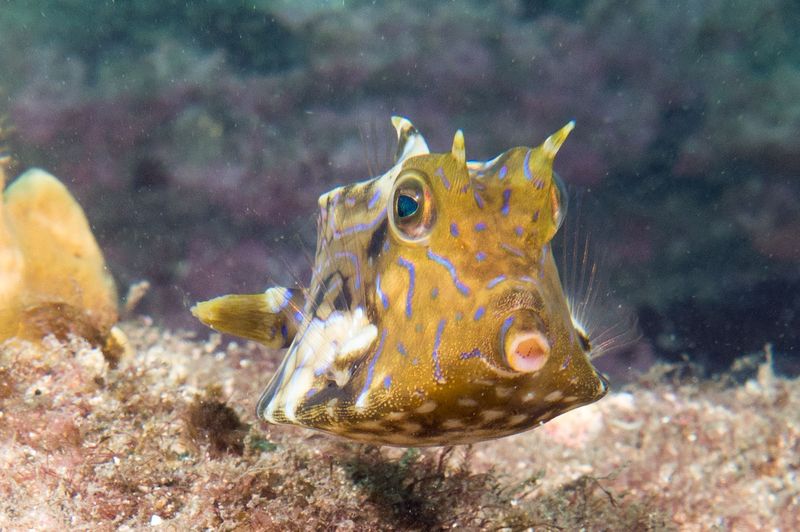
506, 201
496, 281
445, 181
356, 264
370, 370
475, 353
478, 199
526, 167
437, 369
379, 292
357, 228
461, 287
287, 296
411, 278
374, 199
511, 249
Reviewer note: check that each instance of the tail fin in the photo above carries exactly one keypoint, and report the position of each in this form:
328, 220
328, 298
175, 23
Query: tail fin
270, 318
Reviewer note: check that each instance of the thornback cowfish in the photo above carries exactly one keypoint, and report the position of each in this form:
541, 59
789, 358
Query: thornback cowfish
435, 313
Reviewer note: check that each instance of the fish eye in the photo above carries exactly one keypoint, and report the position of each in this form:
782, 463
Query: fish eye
412, 215
407, 205
559, 200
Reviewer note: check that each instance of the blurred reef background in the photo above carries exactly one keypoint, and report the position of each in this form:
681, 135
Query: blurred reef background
198, 135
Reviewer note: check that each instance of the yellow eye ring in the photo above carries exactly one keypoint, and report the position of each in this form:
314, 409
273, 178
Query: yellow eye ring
412, 213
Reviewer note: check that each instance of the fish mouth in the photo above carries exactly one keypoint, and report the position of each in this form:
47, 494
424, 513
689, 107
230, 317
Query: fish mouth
527, 352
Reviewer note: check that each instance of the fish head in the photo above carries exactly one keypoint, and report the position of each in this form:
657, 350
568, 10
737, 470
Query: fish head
435, 314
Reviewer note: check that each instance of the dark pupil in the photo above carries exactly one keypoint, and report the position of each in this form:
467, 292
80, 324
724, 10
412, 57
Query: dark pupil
406, 206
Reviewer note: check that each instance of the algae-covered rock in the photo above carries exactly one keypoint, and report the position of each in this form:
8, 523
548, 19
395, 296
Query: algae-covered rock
53, 278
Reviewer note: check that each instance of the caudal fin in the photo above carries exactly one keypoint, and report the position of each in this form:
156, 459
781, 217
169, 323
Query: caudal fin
270, 318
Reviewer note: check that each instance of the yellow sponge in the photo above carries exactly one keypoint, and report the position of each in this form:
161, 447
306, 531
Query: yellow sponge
53, 278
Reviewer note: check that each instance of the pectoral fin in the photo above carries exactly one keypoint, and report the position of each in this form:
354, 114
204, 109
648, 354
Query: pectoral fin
270, 318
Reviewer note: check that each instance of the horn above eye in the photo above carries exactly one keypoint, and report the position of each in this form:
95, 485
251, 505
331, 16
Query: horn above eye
412, 212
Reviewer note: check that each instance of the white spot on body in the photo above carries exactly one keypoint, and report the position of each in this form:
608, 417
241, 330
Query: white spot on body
370, 425
303, 380
492, 415
554, 396
340, 338
503, 392
467, 402
341, 376
411, 427
528, 397
276, 298
330, 408
516, 419
360, 342
361, 402
453, 424
426, 407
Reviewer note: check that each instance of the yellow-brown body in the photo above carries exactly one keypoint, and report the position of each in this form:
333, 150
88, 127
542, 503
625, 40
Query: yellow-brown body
435, 314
